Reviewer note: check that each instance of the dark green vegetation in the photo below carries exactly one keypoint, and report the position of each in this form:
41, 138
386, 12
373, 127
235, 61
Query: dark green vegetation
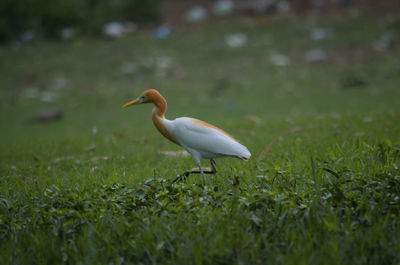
48, 18
327, 192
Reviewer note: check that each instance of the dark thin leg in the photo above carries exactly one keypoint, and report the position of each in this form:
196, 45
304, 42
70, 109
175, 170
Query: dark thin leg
213, 165
198, 171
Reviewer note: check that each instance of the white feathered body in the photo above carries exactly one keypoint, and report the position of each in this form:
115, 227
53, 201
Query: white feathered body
202, 140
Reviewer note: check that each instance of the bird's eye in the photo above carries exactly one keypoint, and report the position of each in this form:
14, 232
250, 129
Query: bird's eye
141, 99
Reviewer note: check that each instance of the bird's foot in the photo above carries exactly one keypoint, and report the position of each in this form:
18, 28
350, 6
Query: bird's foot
181, 177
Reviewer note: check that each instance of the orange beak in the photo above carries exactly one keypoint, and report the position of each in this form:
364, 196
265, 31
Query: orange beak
133, 102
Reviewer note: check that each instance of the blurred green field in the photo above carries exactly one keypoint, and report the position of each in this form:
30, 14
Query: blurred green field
327, 192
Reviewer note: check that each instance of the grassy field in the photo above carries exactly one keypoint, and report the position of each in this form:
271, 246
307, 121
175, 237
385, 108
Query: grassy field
95, 188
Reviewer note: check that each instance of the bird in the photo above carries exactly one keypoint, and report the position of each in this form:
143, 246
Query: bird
200, 139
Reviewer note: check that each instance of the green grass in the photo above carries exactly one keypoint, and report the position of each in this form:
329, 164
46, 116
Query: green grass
327, 192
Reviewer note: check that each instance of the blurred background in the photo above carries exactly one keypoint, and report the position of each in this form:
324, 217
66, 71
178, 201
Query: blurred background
67, 66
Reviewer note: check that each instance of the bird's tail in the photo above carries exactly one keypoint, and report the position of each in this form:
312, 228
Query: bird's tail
244, 153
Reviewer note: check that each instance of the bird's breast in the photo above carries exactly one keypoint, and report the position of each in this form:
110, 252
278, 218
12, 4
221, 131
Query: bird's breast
159, 122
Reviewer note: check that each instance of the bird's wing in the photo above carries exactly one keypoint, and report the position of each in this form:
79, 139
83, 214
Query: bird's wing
206, 138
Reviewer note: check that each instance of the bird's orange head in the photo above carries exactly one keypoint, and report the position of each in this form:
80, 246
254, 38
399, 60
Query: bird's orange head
148, 96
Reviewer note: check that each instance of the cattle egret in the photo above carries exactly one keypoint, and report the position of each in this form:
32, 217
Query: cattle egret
200, 139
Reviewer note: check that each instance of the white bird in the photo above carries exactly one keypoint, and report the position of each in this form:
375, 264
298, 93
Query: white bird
200, 139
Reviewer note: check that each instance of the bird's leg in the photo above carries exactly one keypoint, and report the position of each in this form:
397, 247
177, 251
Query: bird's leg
214, 166
198, 171
202, 174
